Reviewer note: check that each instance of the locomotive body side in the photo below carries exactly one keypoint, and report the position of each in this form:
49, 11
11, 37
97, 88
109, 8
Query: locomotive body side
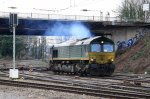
84, 57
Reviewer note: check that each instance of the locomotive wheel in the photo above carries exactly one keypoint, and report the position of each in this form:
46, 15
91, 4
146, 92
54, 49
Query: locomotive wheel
55, 72
83, 73
93, 72
110, 69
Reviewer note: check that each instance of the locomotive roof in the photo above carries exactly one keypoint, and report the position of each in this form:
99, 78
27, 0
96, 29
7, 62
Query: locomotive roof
84, 41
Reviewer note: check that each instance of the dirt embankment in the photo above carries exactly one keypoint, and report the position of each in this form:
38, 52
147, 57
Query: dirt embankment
135, 59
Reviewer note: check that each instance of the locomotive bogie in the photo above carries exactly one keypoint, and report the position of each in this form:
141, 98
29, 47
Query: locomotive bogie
101, 69
67, 66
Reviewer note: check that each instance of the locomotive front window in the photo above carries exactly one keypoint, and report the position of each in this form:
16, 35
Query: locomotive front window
108, 47
96, 48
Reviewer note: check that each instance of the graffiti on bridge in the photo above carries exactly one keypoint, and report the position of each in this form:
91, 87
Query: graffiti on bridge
130, 42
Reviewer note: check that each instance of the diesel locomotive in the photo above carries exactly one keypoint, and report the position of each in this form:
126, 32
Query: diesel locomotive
90, 56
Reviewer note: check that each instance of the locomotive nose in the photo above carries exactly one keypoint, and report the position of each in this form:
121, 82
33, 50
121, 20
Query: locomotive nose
101, 58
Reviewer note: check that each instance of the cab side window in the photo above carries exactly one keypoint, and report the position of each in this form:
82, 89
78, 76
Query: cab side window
55, 53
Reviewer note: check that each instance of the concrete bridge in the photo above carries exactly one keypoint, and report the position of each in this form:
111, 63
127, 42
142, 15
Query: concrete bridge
36, 24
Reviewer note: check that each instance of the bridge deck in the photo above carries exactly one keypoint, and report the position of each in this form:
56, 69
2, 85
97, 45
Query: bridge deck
37, 24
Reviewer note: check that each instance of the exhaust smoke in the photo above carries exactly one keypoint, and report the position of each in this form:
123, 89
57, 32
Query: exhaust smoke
73, 29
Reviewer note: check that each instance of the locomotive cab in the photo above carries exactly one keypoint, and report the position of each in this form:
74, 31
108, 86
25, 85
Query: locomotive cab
102, 56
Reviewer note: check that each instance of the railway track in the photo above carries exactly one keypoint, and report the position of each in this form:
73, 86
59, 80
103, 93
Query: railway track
79, 90
66, 78
94, 88
94, 84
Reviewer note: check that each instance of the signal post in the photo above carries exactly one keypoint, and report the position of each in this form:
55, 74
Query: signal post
13, 22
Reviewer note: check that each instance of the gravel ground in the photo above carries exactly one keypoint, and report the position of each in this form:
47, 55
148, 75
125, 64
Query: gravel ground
9, 92
35, 63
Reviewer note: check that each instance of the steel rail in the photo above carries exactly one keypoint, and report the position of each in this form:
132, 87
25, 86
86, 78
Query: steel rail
90, 85
79, 90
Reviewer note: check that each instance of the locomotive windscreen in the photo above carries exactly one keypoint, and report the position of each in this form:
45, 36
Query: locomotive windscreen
108, 47
102, 47
96, 47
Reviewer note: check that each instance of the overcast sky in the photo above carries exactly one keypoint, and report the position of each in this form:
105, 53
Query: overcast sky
66, 7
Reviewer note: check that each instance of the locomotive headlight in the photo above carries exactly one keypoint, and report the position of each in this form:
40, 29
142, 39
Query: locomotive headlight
92, 59
112, 59
102, 42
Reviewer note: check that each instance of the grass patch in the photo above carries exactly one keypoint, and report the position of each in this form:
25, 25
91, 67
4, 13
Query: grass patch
137, 55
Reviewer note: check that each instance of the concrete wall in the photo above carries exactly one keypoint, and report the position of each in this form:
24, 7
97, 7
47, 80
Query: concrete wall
121, 34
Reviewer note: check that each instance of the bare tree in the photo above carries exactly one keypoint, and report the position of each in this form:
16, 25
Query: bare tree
132, 10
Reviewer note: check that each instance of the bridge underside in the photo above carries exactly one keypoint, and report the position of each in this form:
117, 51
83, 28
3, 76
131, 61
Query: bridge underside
39, 27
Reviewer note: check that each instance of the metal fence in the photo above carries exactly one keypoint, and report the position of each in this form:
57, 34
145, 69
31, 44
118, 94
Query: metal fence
40, 16
67, 17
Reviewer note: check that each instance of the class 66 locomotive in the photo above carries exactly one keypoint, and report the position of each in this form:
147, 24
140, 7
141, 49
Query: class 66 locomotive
90, 56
